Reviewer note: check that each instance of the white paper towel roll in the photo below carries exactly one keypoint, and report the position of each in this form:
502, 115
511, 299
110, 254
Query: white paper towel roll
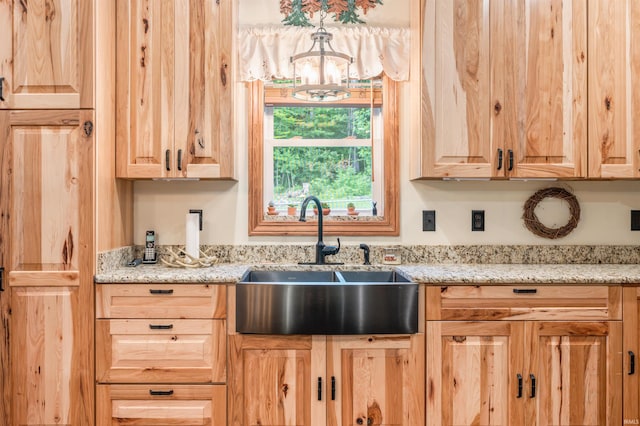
192, 246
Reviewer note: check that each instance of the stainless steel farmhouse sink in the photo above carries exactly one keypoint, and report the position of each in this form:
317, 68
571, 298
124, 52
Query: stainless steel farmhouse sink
326, 302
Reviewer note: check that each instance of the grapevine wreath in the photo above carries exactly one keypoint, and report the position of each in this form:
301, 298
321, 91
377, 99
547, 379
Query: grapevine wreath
534, 225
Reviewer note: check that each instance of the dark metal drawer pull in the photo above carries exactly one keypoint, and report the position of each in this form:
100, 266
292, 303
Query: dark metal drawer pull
525, 290
161, 393
519, 386
160, 326
533, 385
156, 291
499, 158
167, 165
319, 388
632, 363
333, 388
1, 84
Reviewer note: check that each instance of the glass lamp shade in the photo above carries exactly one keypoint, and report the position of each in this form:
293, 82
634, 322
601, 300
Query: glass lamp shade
321, 74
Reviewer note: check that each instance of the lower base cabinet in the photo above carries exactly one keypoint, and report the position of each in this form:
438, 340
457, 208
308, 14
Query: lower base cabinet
524, 372
318, 381
525, 355
145, 405
631, 350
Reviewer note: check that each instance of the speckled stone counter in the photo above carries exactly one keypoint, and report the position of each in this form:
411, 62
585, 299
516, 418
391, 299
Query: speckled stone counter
523, 274
430, 274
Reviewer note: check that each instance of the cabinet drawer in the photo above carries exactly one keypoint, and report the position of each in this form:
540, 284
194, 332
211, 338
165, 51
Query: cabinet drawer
161, 301
160, 351
155, 405
524, 302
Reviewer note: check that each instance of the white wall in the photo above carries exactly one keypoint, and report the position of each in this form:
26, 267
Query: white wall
605, 207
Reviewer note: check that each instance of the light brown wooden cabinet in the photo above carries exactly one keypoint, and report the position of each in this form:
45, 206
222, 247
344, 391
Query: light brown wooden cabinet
161, 353
318, 380
174, 95
161, 405
47, 177
631, 349
614, 89
46, 54
503, 89
524, 355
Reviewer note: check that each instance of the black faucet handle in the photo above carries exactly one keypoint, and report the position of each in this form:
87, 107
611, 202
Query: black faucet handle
331, 250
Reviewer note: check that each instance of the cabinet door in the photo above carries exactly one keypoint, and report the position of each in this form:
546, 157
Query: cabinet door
145, 96
5, 305
631, 348
456, 90
145, 405
51, 268
46, 54
473, 373
175, 111
204, 84
614, 89
577, 370
375, 380
502, 89
540, 86
277, 380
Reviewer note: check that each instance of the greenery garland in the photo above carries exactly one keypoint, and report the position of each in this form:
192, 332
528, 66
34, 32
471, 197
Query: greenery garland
534, 225
298, 12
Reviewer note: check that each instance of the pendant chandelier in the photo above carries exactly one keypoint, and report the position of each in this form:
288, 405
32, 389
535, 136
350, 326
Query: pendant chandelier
321, 73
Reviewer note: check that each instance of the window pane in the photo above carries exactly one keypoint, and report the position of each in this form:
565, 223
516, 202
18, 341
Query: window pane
337, 175
321, 123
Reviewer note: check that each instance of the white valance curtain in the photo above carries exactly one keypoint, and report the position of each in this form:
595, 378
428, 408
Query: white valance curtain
265, 51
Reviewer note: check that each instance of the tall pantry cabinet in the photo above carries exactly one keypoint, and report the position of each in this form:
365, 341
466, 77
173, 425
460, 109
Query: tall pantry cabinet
46, 200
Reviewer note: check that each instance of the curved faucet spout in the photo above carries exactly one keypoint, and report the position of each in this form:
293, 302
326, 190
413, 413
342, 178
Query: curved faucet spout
303, 213
320, 254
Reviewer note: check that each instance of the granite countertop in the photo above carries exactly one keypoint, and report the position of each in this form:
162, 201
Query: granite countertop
423, 273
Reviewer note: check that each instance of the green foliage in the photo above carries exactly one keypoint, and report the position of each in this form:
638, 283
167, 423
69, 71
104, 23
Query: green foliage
331, 172
321, 123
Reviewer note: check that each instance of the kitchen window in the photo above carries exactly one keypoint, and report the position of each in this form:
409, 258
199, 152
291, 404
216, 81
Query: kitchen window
342, 152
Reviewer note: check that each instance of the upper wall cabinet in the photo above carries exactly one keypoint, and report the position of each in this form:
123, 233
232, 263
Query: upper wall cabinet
46, 54
174, 88
502, 89
614, 89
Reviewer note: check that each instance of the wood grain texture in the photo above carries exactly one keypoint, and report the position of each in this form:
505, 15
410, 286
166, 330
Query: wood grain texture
378, 380
614, 102
273, 380
631, 343
502, 80
161, 301
114, 201
472, 372
175, 103
187, 405
577, 367
51, 245
501, 303
137, 351
47, 59
5, 305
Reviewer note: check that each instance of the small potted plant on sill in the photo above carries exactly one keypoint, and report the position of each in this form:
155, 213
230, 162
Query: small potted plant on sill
351, 210
291, 210
271, 209
326, 209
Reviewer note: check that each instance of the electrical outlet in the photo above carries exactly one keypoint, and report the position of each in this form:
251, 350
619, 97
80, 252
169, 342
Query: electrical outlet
477, 220
199, 212
428, 220
635, 220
